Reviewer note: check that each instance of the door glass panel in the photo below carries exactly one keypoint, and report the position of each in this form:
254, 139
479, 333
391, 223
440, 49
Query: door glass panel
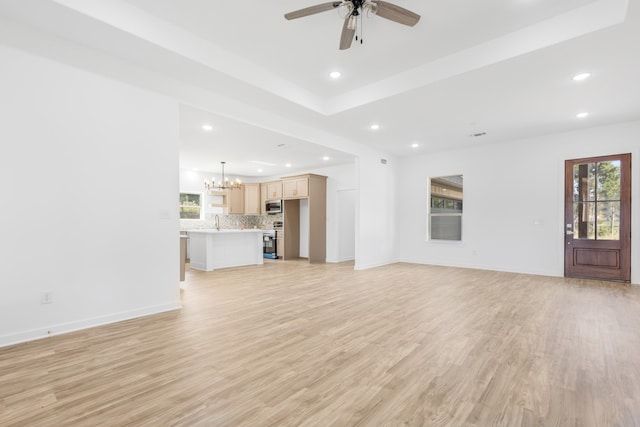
584, 225
608, 220
584, 182
609, 180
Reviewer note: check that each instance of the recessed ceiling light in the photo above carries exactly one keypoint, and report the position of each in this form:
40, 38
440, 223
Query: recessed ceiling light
259, 170
335, 74
415, 145
325, 158
582, 115
581, 76
374, 126
288, 165
208, 128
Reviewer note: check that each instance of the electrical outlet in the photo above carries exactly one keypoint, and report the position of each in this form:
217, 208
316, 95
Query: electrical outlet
46, 297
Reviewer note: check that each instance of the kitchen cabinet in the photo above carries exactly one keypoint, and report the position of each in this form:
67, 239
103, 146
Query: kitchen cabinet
263, 198
235, 201
274, 190
305, 214
295, 187
220, 200
251, 199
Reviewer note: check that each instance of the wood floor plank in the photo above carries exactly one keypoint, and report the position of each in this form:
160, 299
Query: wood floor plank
294, 344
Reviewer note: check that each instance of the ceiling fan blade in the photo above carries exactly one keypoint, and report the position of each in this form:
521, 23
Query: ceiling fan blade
347, 34
312, 10
396, 13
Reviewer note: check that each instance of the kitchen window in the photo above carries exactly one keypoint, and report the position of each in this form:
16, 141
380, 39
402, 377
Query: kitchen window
445, 208
190, 206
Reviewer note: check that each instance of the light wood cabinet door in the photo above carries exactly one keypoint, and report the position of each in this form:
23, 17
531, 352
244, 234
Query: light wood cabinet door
235, 201
296, 188
274, 190
252, 199
264, 188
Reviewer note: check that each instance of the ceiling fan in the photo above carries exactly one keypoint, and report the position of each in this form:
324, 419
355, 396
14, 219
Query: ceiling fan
354, 9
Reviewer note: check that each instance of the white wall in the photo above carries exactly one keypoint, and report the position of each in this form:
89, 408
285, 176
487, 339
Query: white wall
513, 200
89, 183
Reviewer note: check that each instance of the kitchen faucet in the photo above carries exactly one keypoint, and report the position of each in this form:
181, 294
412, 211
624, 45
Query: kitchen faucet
217, 223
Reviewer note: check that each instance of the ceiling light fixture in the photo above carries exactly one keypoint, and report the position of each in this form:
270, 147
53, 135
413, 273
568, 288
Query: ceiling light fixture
208, 128
259, 170
582, 115
223, 184
415, 145
581, 76
325, 158
288, 165
335, 74
374, 126
352, 22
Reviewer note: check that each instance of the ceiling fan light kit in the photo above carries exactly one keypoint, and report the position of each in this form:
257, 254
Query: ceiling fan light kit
355, 8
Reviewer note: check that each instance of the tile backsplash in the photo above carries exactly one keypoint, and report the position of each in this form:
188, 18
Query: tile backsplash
231, 221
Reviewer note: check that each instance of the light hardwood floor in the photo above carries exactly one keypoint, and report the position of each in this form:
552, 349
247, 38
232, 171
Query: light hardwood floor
322, 345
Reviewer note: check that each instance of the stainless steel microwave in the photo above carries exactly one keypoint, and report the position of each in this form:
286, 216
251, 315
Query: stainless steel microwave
273, 206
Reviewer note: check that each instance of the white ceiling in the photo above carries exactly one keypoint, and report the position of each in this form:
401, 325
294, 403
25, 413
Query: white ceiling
503, 67
247, 150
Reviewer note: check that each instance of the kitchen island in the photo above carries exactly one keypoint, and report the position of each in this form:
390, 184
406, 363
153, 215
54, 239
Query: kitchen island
211, 249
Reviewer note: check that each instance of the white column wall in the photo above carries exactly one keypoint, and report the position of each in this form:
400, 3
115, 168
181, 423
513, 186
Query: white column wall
376, 211
89, 183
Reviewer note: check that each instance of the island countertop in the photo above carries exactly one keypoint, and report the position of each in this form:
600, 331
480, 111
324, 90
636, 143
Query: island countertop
211, 249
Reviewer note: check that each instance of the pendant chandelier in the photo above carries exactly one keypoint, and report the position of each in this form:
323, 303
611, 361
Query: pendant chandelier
223, 184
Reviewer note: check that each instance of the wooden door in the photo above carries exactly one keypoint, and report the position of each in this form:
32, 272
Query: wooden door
598, 218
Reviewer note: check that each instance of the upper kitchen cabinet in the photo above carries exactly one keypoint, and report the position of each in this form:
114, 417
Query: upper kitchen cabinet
273, 190
252, 199
263, 198
296, 187
235, 201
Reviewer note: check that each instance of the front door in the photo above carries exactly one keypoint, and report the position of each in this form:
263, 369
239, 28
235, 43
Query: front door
598, 218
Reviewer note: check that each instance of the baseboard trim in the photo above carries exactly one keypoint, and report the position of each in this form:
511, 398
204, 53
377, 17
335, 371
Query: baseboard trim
482, 267
375, 264
65, 328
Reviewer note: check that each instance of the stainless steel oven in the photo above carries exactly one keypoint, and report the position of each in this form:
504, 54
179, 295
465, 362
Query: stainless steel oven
269, 244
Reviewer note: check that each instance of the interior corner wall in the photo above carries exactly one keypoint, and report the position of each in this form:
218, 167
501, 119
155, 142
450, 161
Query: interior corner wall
89, 179
513, 200
376, 210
